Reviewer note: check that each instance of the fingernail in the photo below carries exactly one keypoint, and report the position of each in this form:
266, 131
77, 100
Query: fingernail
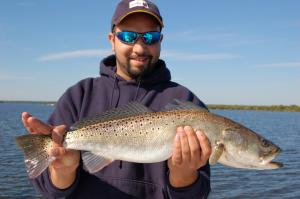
198, 132
187, 128
176, 137
179, 128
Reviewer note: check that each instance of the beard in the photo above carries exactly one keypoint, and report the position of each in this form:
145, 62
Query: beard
135, 71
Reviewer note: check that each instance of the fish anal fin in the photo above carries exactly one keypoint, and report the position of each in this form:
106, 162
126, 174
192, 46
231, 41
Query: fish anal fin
93, 162
217, 152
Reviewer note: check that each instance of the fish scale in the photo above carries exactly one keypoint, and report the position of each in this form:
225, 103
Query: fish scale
135, 133
141, 133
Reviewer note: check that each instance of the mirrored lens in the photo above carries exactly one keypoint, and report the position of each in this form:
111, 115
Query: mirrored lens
127, 37
151, 37
131, 37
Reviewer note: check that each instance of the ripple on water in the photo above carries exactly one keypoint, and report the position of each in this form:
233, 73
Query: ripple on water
282, 128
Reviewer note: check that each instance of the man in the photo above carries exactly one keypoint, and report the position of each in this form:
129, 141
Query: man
134, 73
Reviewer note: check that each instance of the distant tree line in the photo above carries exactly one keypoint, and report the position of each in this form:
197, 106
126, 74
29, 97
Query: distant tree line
29, 102
289, 108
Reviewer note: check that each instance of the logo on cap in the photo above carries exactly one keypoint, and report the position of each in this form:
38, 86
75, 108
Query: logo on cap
136, 3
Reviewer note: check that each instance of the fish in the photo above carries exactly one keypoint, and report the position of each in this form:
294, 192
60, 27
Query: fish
135, 133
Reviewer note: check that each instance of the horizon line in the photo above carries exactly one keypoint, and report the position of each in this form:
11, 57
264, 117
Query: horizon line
214, 104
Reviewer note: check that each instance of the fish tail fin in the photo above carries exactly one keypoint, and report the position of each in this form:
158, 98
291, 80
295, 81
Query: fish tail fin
36, 156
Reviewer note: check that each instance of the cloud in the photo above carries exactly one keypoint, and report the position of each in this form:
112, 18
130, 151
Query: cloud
293, 24
186, 56
228, 39
196, 35
280, 65
75, 54
167, 54
13, 77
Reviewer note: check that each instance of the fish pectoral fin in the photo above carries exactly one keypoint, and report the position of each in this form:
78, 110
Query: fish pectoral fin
93, 162
217, 152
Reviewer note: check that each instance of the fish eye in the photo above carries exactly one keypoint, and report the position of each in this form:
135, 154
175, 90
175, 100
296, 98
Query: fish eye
265, 143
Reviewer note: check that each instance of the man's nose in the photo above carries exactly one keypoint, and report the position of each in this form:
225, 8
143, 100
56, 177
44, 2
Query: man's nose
139, 47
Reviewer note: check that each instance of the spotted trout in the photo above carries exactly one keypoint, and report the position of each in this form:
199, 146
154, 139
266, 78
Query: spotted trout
135, 133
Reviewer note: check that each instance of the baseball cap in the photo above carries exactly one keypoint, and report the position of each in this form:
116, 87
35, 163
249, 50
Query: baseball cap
127, 7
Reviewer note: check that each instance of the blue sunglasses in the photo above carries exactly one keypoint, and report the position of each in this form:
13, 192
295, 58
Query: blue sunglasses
129, 37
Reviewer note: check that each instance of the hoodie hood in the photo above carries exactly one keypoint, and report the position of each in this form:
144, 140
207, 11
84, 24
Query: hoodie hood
160, 73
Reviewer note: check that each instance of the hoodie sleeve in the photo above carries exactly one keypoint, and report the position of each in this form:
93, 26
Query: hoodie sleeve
65, 112
44, 186
198, 190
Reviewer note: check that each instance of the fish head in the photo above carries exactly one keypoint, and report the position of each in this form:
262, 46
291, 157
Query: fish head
243, 148
268, 150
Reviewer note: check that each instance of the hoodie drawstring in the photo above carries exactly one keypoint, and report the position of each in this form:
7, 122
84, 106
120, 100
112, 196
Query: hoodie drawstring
112, 92
114, 106
137, 90
135, 98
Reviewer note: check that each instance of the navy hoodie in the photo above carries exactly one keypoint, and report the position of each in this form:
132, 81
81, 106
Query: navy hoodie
121, 179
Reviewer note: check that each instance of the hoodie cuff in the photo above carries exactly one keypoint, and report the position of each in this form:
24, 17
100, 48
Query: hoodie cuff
66, 191
199, 189
50, 191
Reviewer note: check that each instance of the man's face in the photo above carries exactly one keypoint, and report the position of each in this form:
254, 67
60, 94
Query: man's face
136, 59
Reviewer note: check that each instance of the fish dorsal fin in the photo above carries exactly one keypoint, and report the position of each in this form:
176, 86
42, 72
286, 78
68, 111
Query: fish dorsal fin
131, 109
182, 105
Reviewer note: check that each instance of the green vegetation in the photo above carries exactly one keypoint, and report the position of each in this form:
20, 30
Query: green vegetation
290, 108
29, 102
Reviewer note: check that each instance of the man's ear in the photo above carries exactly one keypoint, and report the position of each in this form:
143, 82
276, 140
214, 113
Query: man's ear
111, 38
161, 37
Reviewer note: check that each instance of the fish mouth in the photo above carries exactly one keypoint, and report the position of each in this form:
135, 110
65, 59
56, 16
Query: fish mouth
270, 165
267, 162
275, 165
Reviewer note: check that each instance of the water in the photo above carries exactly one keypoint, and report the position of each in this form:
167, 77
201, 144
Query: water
281, 127
13, 177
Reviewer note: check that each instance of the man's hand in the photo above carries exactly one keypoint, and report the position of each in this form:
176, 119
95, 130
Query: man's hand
63, 168
191, 151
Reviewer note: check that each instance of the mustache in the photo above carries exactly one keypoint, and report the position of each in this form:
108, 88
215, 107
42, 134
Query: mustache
140, 56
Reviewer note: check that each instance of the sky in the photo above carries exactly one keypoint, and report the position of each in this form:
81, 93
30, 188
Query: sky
226, 51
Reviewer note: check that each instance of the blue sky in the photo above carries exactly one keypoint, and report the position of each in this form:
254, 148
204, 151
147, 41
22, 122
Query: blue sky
226, 52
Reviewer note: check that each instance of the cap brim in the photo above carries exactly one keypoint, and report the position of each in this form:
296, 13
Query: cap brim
142, 11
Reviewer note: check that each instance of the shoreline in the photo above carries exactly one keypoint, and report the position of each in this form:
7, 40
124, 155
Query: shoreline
279, 108
282, 108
